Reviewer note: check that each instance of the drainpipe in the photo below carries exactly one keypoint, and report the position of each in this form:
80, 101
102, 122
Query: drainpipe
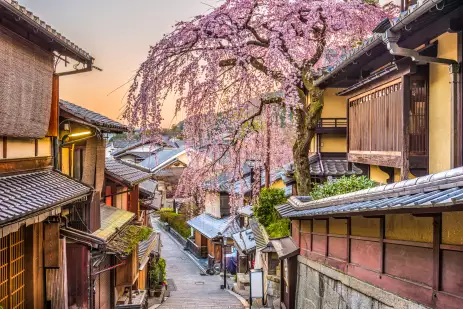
391, 39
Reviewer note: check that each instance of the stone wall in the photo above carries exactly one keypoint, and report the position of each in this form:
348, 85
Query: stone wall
322, 287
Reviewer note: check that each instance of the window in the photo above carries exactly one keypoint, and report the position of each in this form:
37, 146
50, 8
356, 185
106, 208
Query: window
78, 163
12, 294
224, 205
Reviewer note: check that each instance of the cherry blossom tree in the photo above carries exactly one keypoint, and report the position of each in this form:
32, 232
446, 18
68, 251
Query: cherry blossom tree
227, 66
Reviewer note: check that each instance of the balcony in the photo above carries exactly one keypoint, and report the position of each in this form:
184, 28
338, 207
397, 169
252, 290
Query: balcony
389, 123
332, 126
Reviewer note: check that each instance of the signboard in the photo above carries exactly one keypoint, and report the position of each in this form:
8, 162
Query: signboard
257, 283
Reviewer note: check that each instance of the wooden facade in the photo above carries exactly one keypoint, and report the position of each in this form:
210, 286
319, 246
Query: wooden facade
414, 256
388, 122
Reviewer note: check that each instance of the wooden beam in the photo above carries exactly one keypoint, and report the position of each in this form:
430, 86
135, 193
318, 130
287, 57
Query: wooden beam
24, 164
375, 159
405, 163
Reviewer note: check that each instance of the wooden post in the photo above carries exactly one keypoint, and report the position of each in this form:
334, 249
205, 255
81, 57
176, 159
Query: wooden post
405, 159
348, 239
327, 229
311, 234
437, 235
382, 235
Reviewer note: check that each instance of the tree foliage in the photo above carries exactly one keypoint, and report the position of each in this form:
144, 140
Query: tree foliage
342, 185
223, 65
268, 216
265, 210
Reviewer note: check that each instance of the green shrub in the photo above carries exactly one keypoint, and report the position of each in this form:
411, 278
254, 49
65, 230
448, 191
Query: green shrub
177, 222
268, 216
279, 228
342, 185
265, 210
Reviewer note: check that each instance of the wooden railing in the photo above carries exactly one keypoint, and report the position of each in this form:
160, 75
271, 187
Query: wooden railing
200, 252
332, 125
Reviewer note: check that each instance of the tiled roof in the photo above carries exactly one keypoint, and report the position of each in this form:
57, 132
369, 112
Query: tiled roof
123, 243
285, 247
245, 241
246, 211
260, 234
147, 145
22, 195
211, 227
148, 187
42, 27
413, 13
92, 117
161, 157
146, 247
112, 220
125, 173
435, 190
323, 168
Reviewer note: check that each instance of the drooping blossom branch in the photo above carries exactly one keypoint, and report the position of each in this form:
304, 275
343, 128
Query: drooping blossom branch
216, 64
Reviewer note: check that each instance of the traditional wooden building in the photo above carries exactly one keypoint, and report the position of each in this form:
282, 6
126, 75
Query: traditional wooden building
34, 193
396, 245
122, 183
403, 90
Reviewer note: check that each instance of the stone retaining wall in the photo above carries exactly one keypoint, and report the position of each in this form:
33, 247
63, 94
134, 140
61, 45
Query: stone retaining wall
322, 287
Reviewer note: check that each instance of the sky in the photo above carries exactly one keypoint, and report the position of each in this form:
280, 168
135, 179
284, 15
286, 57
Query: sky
118, 34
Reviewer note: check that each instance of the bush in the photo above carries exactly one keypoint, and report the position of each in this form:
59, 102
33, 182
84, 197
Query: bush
176, 221
279, 228
342, 185
265, 210
267, 214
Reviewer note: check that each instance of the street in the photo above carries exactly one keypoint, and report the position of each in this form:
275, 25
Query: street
192, 289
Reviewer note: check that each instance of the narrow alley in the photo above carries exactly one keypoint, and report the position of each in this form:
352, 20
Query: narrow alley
191, 289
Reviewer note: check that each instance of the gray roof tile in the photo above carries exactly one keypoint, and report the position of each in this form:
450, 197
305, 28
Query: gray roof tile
210, 226
436, 190
40, 26
125, 173
25, 194
92, 117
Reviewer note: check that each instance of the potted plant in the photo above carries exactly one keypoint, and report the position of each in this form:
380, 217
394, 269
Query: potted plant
154, 275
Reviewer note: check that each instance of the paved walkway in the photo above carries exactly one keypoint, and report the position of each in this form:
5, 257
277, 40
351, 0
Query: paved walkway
193, 290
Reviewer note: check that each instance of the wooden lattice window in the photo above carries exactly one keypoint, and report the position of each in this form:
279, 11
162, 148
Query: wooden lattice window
12, 270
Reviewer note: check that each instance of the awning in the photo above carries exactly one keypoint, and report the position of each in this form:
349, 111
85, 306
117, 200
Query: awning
30, 198
124, 242
124, 172
112, 220
437, 190
147, 247
260, 235
285, 247
245, 241
246, 211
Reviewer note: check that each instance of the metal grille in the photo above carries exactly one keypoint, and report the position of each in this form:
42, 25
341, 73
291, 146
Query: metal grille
12, 270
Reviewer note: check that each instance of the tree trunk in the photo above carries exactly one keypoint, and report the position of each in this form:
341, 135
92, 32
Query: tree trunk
307, 119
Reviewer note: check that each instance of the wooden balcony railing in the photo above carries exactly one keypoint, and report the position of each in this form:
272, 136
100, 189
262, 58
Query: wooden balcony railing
200, 252
332, 126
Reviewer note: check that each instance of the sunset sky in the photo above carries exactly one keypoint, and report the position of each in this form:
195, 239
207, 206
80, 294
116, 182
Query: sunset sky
117, 33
